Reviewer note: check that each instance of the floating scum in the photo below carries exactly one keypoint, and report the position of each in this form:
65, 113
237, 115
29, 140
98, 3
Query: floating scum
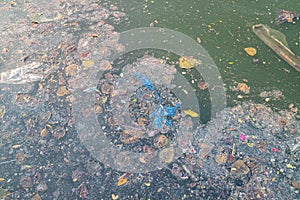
153, 77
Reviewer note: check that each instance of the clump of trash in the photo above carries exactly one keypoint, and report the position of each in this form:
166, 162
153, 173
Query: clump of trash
256, 154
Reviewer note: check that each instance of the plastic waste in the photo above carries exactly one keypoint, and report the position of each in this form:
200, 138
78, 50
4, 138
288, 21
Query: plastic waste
162, 114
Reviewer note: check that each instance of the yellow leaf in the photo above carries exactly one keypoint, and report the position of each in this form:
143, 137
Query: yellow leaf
147, 184
186, 62
16, 146
249, 144
2, 179
88, 63
250, 51
114, 197
44, 132
191, 113
122, 181
290, 166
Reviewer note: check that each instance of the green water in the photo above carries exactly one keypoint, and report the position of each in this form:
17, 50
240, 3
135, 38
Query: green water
225, 30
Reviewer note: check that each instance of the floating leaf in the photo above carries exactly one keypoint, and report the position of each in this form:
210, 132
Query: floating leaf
88, 63
290, 166
162, 141
105, 65
243, 87
122, 181
44, 132
198, 39
2, 111
249, 144
114, 196
203, 85
186, 62
148, 184
191, 113
221, 156
62, 91
72, 70
16, 146
239, 167
250, 51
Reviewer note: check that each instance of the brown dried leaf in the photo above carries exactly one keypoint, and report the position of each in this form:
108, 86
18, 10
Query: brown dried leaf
62, 91
243, 87
105, 65
72, 70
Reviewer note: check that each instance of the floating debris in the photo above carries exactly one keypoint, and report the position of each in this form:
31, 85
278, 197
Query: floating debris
187, 62
271, 39
191, 113
167, 155
250, 51
62, 91
283, 16
29, 73
203, 85
2, 111
243, 87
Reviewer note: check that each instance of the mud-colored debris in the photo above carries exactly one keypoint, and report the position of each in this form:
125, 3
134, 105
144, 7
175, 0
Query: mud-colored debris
203, 85
129, 139
134, 132
275, 94
142, 121
167, 155
26, 100
239, 168
43, 118
25, 182
221, 156
42, 187
58, 132
107, 88
77, 175
105, 65
296, 184
36, 197
261, 145
72, 70
162, 141
251, 162
98, 109
20, 157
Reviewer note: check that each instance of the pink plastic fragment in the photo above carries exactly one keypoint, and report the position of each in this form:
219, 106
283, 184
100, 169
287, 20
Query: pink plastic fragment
275, 150
243, 137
